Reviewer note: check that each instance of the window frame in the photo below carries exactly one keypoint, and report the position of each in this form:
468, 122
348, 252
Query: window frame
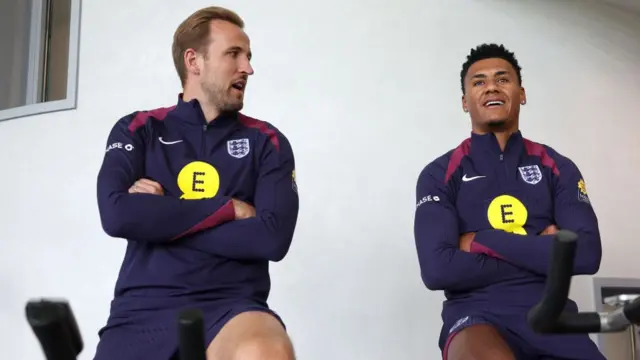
36, 37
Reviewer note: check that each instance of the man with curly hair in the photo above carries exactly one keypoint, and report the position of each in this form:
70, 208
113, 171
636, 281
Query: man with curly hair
485, 218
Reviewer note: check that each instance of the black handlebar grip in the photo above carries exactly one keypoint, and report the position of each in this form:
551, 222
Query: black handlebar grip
191, 335
544, 316
56, 328
632, 311
580, 323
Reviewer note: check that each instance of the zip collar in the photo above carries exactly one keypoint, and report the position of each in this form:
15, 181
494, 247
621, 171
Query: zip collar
488, 143
190, 112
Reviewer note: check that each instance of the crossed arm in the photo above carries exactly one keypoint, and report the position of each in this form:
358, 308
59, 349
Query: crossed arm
443, 264
132, 207
572, 211
452, 262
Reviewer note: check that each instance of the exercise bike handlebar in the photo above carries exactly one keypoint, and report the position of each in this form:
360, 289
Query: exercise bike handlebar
191, 344
548, 315
56, 329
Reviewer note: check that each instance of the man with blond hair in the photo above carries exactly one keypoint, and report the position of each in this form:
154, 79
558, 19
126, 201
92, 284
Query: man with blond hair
205, 197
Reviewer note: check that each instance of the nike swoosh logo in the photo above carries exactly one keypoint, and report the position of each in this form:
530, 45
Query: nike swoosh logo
465, 178
169, 142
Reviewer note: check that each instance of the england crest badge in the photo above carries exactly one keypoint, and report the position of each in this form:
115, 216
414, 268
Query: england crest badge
531, 174
238, 148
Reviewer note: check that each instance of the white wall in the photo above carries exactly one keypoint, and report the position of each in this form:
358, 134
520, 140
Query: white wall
366, 100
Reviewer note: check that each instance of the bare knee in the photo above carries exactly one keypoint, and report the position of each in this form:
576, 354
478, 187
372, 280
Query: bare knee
264, 348
252, 335
479, 342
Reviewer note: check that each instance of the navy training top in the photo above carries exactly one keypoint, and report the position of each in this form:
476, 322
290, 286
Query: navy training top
507, 198
186, 247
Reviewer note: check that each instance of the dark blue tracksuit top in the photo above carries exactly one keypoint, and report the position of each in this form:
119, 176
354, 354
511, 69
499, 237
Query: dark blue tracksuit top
506, 198
186, 247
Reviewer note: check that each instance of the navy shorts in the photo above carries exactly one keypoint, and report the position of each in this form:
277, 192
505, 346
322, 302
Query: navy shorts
154, 336
523, 341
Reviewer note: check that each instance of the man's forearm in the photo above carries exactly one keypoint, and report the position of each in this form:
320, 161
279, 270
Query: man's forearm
256, 238
532, 252
456, 270
153, 218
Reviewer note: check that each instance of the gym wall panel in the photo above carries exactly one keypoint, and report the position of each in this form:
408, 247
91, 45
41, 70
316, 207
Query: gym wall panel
367, 99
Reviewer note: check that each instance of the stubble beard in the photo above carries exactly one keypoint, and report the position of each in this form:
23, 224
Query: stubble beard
219, 97
497, 125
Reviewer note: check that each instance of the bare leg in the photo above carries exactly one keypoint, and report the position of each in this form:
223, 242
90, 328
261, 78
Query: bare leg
252, 335
479, 342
